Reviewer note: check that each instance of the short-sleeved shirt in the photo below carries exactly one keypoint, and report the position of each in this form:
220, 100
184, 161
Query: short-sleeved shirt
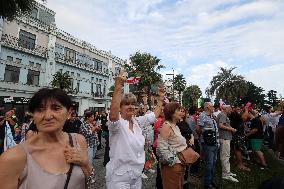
207, 122
192, 124
256, 124
224, 134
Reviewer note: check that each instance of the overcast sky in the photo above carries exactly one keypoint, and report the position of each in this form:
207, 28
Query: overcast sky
194, 37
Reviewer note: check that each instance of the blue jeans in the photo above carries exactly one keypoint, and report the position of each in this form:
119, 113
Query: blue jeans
90, 155
210, 163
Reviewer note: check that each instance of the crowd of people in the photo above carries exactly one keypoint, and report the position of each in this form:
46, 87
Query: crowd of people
55, 148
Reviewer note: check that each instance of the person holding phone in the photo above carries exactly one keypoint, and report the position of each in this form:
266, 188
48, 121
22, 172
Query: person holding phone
127, 156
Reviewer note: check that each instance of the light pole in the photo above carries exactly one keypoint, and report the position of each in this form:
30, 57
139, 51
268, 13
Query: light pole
173, 74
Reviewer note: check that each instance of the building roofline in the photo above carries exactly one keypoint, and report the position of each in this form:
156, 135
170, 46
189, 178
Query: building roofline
42, 6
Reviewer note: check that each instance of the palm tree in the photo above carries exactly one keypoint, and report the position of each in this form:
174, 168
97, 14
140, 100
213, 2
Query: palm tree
62, 81
190, 96
227, 86
9, 9
110, 91
145, 66
179, 85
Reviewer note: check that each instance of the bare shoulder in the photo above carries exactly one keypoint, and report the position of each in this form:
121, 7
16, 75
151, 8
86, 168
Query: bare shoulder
13, 159
165, 130
81, 140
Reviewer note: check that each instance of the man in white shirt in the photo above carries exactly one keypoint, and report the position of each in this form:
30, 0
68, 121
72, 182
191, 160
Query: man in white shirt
127, 156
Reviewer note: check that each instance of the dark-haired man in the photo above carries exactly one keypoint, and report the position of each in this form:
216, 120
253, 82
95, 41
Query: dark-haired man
73, 124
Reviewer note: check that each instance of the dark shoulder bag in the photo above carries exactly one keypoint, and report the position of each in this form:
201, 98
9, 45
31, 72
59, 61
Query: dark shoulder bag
71, 165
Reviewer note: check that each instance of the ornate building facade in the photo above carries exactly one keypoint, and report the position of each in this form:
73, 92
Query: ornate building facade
33, 49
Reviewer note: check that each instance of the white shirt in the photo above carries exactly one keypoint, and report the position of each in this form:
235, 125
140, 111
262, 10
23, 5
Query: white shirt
127, 147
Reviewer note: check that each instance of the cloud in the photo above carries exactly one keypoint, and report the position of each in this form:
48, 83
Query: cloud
194, 37
202, 74
269, 78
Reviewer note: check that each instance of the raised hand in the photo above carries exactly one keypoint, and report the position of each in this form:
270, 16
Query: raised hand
75, 155
161, 92
121, 78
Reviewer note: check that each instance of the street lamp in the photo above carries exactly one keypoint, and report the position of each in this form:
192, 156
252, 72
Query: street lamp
173, 74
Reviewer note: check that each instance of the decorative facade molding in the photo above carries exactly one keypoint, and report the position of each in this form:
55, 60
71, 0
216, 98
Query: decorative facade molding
13, 42
41, 6
20, 65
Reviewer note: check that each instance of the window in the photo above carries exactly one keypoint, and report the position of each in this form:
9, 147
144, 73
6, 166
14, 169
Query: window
117, 70
60, 70
104, 91
31, 63
38, 65
100, 80
33, 77
70, 55
18, 60
105, 81
72, 73
26, 40
12, 74
10, 58
100, 66
97, 79
92, 78
92, 88
34, 13
78, 75
67, 72
99, 90
78, 86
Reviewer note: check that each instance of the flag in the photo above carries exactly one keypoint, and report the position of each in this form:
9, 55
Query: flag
133, 80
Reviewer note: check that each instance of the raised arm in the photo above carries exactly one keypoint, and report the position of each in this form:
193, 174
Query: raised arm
115, 102
158, 108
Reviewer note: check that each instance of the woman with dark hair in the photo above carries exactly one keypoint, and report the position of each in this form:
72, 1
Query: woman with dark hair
26, 125
88, 130
238, 119
51, 158
170, 143
187, 134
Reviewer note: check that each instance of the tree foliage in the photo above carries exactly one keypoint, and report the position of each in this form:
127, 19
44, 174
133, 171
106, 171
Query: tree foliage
9, 9
179, 84
110, 91
62, 81
254, 95
272, 98
227, 86
190, 96
145, 66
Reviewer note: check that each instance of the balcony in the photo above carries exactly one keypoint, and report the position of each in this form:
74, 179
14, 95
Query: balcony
15, 43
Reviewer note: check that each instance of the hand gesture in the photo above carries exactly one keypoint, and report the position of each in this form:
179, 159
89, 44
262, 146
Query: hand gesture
161, 92
121, 78
75, 155
233, 130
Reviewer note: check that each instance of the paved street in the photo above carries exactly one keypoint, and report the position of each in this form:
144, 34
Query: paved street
147, 183
100, 175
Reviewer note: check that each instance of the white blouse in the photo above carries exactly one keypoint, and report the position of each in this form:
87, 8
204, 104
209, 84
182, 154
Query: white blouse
127, 147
